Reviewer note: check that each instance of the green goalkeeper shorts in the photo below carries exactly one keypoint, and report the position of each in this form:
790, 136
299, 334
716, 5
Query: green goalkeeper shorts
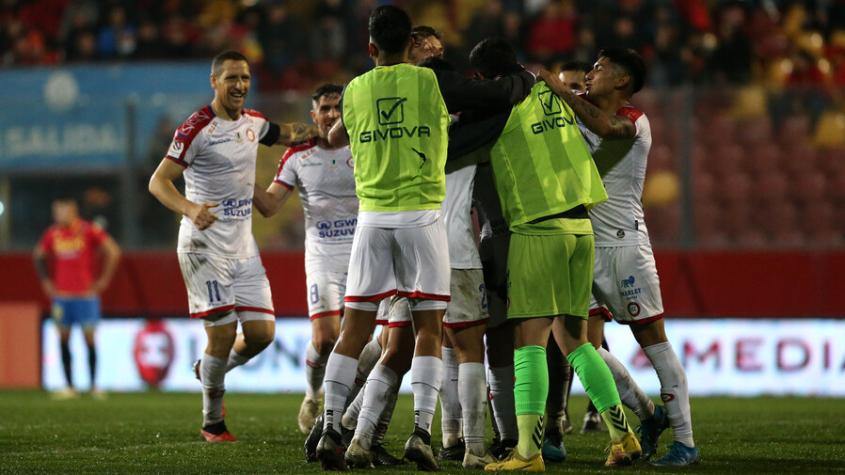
550, 275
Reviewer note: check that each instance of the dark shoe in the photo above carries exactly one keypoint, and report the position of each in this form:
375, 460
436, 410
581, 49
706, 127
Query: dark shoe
454, 452
313, 439
419, 452
331, 451
501, 449
382, 458
650, 430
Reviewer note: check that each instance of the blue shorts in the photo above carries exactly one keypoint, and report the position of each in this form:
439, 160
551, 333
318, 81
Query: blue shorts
82, 311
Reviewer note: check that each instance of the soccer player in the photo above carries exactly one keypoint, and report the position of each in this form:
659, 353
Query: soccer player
216, 149
72, 245
626, 279
573, 75
323, 175
395, 118
462, 389
546, 181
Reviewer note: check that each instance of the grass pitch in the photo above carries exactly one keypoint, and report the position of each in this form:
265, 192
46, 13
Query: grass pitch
159, 433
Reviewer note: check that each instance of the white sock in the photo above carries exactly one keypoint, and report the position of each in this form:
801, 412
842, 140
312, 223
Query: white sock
213, 372
501, 392
386, 414
629, 391
673, 390
426, 375
366, 362
353, 410
315, 370
340, 377
472, 391
377, 392
235, 360
450, 404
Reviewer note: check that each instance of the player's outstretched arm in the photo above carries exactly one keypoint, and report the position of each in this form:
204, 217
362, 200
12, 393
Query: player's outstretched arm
338, 136
269, 202
39, 259
600, 122
161, 186
111, 256
296, 132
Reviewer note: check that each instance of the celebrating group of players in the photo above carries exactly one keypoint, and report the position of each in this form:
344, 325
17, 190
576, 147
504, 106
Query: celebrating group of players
388, 175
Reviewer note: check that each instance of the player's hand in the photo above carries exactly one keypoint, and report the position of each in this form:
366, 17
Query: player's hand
48, 287
98, 287
201, 216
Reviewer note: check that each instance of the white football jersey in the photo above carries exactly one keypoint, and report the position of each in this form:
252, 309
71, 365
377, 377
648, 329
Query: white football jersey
326, 183
463, 253
619, 221
219, 159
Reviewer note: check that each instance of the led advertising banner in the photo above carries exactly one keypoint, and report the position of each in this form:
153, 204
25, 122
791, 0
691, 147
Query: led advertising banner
721, 356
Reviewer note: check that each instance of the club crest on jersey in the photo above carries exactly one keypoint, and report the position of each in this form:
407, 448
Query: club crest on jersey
633, 309
250, 135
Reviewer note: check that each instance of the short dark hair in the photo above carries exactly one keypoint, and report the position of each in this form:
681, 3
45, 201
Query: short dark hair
230, 55
425, 31
582, 66
326, 90
630, 61
390, 28
493, 57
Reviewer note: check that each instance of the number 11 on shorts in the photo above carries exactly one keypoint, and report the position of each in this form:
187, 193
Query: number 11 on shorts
213, 291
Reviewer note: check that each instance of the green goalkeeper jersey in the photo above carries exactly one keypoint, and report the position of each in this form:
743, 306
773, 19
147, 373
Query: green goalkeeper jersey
542, 166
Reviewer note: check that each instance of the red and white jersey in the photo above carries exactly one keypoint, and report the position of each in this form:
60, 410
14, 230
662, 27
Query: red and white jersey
463, 253
619, 220
326, 183
219, 159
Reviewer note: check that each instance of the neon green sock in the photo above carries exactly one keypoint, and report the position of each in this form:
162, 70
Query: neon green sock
530, 389
598, 382
616, 422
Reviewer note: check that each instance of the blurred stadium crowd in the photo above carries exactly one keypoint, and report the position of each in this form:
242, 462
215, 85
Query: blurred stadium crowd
684, 41
745, 98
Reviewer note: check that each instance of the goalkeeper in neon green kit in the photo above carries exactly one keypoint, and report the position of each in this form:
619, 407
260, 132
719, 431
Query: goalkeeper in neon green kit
546, 181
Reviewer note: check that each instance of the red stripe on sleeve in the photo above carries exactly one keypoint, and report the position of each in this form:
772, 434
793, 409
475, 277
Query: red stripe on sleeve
630, 112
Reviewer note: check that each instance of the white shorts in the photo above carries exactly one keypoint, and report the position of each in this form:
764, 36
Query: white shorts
468, 306
218, 286
396, 312
408, 262
325, 292
625, 282
494, 259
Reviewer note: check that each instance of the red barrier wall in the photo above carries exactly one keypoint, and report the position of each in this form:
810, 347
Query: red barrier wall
694, 283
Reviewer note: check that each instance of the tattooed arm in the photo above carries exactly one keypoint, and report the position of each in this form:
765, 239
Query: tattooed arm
604, 125
296, 132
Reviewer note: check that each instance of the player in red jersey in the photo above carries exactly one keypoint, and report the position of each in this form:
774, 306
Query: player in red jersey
216, 149
70, 247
